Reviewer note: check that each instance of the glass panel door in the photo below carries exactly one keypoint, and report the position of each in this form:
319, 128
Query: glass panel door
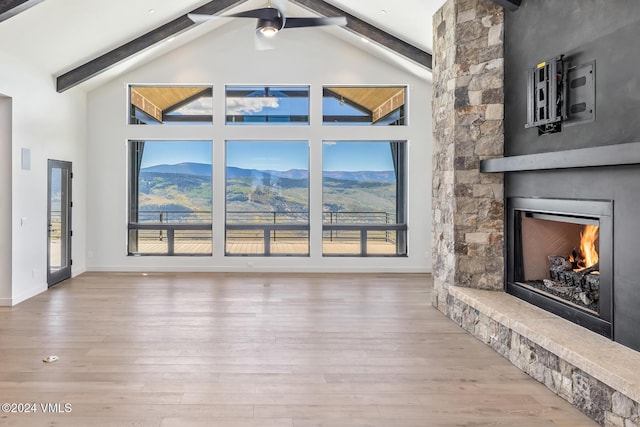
59, 222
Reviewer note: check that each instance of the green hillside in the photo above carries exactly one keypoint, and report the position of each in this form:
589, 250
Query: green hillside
159, 191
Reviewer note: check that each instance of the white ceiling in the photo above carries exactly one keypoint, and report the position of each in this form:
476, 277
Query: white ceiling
59, 35
409, 20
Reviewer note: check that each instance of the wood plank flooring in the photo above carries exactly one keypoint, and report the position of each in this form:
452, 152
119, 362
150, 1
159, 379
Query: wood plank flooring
260, 350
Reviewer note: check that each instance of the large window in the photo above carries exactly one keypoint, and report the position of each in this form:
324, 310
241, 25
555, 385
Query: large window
267, 105
162, 105
363, 105
267, 188
363, 198
170, 198
267, 198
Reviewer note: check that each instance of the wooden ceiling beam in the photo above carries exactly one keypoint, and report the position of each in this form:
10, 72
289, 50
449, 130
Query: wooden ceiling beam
9, 8
370, 32
104, 62
508, 4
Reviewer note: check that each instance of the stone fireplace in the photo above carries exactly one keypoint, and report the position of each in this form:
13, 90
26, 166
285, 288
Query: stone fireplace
510, 204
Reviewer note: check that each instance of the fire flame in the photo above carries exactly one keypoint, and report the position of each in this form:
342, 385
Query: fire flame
588, 238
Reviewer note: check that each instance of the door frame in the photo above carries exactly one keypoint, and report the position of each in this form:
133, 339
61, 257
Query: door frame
54, 278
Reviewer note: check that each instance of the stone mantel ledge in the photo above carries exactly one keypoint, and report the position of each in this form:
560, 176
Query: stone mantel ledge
611, 363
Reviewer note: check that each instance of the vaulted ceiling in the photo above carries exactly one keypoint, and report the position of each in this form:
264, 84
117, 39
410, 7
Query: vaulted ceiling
82, 42
217, 7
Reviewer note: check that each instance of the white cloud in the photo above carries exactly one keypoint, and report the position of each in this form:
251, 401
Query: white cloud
200, 107
237, 106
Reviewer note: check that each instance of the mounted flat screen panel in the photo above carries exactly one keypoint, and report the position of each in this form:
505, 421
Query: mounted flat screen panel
267, 105
364, 105
170, 105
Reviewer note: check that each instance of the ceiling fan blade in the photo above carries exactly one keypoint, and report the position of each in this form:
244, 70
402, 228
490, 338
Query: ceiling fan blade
281, 5
262, 42
314, 22
269, 13
199, 18
263, 13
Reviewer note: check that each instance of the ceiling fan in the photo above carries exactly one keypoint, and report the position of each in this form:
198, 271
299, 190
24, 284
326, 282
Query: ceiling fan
271, 20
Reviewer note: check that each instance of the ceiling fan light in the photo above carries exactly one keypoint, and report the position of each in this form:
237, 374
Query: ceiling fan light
268, 31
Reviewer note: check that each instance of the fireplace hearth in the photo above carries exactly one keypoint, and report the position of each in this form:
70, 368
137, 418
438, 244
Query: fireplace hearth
559, 257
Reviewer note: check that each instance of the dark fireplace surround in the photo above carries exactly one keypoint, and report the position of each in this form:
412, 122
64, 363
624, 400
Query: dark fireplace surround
598, 185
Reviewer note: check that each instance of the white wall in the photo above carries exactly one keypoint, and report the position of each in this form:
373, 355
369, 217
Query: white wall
227, 56
52, 126
5, 200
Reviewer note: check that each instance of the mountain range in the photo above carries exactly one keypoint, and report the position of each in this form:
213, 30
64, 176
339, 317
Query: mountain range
202, 169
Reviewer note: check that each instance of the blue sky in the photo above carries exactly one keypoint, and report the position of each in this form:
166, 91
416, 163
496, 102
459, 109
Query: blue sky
357, 156
174, 152
271, 155
268, 155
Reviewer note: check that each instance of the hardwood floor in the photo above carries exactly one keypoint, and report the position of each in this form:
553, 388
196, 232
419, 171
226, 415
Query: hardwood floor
257, 350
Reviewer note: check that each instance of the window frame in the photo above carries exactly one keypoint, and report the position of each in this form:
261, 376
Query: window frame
348, 95
305, 120
269, 230
399, 227
156, 116
134, 226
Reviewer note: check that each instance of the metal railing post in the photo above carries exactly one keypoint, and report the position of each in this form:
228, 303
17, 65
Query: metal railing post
386, 232
267, 242
274, 223
170, 242
363, 242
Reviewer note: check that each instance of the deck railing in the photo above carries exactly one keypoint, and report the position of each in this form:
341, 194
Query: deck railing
264, 226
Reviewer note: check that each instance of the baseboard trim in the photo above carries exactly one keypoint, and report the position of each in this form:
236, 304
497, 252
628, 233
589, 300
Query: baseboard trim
255, 269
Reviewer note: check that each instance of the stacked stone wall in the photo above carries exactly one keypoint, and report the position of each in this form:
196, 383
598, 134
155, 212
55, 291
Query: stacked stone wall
468, 99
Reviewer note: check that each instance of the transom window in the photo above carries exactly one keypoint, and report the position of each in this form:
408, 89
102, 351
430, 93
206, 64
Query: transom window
170, 105
363, 105
267, 105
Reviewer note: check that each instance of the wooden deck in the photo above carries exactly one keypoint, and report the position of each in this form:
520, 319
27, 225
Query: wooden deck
283, 246
258, 350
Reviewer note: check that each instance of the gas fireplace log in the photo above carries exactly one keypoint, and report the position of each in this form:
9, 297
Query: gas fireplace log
595, 267
582, 279
573, 278
592, 282
560, 263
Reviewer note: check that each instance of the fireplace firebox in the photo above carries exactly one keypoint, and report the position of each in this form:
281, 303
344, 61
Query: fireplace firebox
560, 258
